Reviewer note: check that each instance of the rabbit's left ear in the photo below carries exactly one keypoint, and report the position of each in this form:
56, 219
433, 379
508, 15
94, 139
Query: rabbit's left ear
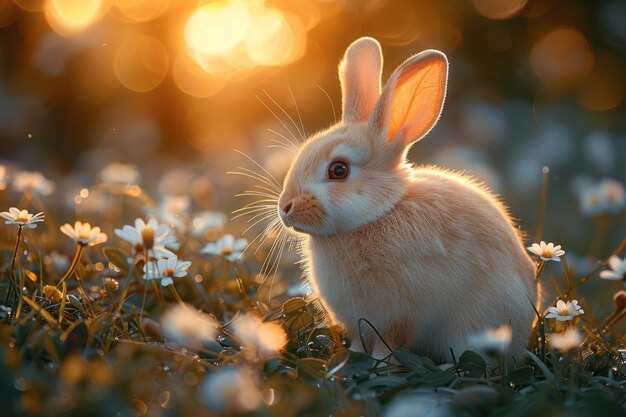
359, 72
412, 99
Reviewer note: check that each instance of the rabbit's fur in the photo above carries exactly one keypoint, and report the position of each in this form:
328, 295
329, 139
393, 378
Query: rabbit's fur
428, 256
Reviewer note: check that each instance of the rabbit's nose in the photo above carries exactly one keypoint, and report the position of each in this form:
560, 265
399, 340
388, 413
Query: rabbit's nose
288, 207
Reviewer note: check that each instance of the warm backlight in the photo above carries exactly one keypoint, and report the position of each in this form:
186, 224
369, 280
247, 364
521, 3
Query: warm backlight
235, 36
216, 28
70, 16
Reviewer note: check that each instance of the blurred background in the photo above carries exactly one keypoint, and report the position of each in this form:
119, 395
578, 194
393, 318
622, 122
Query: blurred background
170, 87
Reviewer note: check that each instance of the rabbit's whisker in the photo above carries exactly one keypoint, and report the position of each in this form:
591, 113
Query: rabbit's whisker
293, 122
264, 216
289, 141
330, 101
295, 104
269, 176
254, 177
295, 138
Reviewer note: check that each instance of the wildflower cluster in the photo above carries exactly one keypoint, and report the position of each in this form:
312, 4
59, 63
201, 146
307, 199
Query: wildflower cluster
181, 318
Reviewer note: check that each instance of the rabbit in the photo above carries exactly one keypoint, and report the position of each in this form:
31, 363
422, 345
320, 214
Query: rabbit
429, 256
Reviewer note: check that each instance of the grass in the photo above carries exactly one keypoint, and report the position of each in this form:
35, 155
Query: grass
92, 337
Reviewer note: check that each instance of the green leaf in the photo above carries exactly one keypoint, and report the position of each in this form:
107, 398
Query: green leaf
542, 366
299, 321
473, 364
438, 378
116, 257
383, 383
293, 304
409, 360
520, 376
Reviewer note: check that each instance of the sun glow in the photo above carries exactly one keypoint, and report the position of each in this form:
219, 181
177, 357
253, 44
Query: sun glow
71, 16
234, 36
216, 28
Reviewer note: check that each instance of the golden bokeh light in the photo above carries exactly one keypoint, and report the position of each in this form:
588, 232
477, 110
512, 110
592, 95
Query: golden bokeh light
70, 16
499, 9
562, 58
271, 40
141, 63
217, 27
193, 80
231, 36
604, 89
142, 10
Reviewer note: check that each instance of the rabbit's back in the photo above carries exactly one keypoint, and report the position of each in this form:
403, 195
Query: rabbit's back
445, 262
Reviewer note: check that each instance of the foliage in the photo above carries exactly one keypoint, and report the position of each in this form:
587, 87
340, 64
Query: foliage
95, 341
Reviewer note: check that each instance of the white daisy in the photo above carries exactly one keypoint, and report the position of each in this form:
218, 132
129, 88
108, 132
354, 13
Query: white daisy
122, 174
166, 269
493, 340
32, 182
591, 200
186, 326
266, 338
614, 195
226, 247
22, 218
207, 221
565, 311
567, 341
605, 196
232, 390
547, 252
617, 269
151, 236
84, 234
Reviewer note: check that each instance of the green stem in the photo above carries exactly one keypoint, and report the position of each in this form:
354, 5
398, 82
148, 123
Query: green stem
540, 268
143, 301
224, 277
176, 295
17, 247
613, 319
70, 271
13, 282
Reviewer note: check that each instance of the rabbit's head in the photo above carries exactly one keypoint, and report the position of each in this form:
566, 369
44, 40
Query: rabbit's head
354, 172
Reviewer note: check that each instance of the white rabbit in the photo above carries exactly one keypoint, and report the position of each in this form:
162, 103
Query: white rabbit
427, 255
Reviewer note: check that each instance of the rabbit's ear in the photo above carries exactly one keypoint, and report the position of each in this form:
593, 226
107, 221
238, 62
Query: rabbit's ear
412, 99
359, 72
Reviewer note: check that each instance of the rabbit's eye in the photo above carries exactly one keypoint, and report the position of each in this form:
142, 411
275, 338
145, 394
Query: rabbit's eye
338, 170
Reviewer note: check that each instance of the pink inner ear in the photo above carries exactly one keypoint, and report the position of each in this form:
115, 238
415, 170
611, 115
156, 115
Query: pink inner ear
360, 79
418, 98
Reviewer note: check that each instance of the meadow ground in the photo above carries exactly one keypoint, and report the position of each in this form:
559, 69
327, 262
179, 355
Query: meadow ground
201, 332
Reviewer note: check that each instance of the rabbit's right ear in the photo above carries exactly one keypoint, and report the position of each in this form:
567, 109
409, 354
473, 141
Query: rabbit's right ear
360, 72
412, 100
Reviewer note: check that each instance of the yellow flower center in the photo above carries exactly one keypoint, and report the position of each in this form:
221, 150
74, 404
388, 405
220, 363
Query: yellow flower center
612, 195
169, 272
547, 253
85, 235
22, 219
147, 235
226, 251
